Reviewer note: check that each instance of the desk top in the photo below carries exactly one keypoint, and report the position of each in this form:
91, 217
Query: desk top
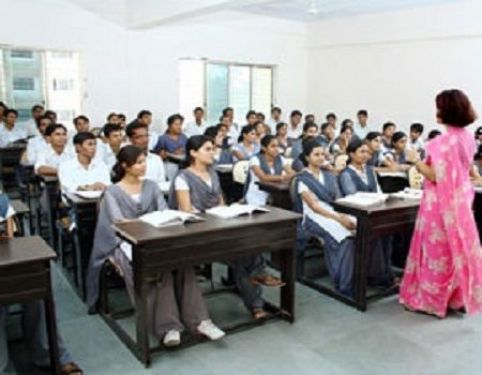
274, 186
139, 233
20, 250
392, 204
19, 207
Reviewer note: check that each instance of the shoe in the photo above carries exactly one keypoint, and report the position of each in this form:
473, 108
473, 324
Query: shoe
172, 338
208, 329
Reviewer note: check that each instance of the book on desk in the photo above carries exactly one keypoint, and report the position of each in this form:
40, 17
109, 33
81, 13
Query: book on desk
235, 210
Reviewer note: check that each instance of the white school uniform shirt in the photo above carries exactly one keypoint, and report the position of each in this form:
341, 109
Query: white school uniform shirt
108, 156
194, 129
30, 126
295, 133
336, 230
255, 195
153, 138
50, 158
9, 136
155, 168
72, 174
272, 124
417, 145
360, 131
234, 131
35, 146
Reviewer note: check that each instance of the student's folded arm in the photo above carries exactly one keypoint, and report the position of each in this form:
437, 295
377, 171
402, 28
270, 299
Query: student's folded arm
264, 177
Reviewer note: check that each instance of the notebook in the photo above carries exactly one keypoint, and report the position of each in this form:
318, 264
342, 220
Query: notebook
236, 209
409, 194
364, 199
164, 218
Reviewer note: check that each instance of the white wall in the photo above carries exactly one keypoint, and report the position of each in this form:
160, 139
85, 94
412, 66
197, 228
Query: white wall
393, 64
58, 25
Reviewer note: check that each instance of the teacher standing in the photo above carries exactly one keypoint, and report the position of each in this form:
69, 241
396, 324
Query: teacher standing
444, 266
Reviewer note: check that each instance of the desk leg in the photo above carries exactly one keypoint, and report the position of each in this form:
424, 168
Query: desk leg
288, 275
52, 330
142, 340
361, 247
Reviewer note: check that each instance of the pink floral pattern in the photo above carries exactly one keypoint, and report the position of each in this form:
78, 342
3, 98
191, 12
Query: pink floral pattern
444, 265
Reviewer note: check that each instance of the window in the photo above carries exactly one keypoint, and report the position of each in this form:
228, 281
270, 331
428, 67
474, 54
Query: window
23, 84
216, 85
35, 76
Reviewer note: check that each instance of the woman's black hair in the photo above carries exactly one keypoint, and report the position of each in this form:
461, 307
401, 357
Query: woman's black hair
372, 135
397, 136
309, 144
211, 132
354, 145
434, 133
266, 140
279, 125
246, 129
347, 121
127, 155
194, 143
344, 127
309, 125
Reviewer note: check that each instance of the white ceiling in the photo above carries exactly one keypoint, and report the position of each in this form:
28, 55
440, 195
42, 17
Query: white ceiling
150, 13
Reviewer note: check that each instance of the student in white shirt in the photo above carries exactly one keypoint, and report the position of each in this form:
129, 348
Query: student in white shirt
294, 127
113, 144
361, 129
38, 143
31, 126
10, 132
267, 166
275, 119
48, 162
144, 117
82, 124
84, 172
228, 119
52, 115
331, 119
415, 141
138, 136
198, 126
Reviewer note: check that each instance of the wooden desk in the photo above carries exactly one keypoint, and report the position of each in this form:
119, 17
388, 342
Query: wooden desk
393, 216
25, 277
166, 249
21, 211
280, 194
85, 216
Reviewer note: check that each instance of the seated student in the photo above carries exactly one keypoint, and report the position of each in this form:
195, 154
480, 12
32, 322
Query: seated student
3, 108
138, 136
251, 118
122, 120
275, 119
341, 143
227, 118
247, 145
387, 132
362, 128
10, 132
310, 118
48, 162
52, 115
38, 143
33, 316
222, 155
198, 126
294, 127
415, 141
317, 190
376, 158
172, 142
397, 152
31, 126
282, 136
144, 117
266, 166
130, 197
113, 118
331, 119
81, 124
196, 189
84, 172
327, 135
260, 117
432, 134
261, 130
113, 144
310, 129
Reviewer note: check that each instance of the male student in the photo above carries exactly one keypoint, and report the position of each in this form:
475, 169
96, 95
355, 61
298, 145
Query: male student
48, 162
144, 117
138, 136
82, 124
38, 143
234, 128
198, 126
113, 118
52, 115
327, 136
10, 131
84, 171
294, 127
251, 118
415, 141
362, 128
275, 119
31, 126
110, 149
387, 133
331, 119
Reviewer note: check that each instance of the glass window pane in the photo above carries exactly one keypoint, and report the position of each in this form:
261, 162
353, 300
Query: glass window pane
239, 92
216, 90
262, 90
191, 86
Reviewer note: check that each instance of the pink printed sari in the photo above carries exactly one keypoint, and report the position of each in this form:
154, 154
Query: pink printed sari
444, 266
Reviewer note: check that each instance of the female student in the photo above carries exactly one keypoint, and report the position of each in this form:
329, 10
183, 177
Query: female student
341, 142
222, 155
130, 197
267, 166
247, 144
196, 189
172, 142
444, 265
261, 130
360, 177
282, 136
310, 129
395, 159
317, 190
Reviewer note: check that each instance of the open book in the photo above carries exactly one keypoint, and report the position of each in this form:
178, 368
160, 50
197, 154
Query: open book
407, 193
89, 194
164, 218
236, 209
364, 199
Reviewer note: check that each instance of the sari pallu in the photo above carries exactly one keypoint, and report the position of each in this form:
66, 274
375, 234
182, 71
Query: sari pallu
444, 266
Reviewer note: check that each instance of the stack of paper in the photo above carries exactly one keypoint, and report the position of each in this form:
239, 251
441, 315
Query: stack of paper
236, 209
408, 193
168, 217
364, 199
